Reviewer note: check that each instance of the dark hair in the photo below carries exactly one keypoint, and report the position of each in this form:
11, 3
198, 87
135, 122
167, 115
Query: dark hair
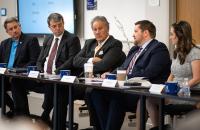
185, 43
147, 25
10, 20
55, 17
102, 19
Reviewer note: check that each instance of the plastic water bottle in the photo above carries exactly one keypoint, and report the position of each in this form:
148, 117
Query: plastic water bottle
185, 88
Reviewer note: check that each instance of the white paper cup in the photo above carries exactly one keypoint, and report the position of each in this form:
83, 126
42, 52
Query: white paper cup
88, 70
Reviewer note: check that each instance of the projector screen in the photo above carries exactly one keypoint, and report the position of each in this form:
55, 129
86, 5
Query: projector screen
32, 14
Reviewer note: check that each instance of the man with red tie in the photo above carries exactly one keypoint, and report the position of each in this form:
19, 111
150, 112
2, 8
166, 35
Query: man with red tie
57, 54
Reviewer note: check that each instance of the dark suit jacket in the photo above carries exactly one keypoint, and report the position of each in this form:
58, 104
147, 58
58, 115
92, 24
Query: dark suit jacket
69, 46
27, 52
111, 54
153, 63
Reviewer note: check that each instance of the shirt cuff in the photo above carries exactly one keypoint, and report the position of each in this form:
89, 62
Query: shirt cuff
90, 60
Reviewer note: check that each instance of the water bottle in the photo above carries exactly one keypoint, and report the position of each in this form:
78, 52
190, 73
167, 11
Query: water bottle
185, 89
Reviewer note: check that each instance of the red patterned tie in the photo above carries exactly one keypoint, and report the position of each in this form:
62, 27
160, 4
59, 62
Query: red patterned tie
52, 56
131, 64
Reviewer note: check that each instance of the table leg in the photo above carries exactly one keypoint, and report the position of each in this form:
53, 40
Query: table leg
55, 118
3, 108
161, 113
71, 107
142, 112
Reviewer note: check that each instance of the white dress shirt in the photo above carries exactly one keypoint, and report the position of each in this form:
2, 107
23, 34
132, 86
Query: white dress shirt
47, 58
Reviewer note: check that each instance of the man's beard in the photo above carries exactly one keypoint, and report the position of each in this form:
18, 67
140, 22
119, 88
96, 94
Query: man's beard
136, 43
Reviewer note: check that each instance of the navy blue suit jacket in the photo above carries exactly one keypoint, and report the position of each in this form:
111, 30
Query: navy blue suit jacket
153, 63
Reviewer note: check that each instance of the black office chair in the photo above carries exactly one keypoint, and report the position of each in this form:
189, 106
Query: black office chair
79, 96
75, 125
178, 110
83, 109
131, 117
172, 110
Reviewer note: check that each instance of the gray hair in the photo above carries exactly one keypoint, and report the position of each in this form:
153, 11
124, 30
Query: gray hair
102, 19
10, 20
55, 17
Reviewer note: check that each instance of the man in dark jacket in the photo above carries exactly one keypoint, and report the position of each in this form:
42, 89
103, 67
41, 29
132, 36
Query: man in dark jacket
57, 54
104, 52
18, 51
148, 58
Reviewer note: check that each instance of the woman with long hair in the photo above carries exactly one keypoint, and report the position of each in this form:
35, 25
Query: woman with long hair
185, 64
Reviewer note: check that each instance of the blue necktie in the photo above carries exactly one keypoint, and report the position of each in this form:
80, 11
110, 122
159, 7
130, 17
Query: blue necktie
12, 54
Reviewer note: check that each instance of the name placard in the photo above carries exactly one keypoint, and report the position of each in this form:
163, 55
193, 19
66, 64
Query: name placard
109, 83
2, 70
156, 88
68, 79
33, 74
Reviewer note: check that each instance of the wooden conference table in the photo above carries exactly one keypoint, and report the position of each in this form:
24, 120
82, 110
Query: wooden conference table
143, 93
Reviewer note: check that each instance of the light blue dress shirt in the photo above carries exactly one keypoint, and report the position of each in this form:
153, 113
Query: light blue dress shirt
12, 54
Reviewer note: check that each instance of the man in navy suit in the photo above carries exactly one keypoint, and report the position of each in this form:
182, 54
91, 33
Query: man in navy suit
18, 51
148, 58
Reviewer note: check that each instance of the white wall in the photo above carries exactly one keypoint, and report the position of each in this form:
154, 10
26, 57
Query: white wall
128, 12
11, 6
159, 15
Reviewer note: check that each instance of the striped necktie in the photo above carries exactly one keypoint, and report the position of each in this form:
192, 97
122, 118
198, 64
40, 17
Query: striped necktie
132, 62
